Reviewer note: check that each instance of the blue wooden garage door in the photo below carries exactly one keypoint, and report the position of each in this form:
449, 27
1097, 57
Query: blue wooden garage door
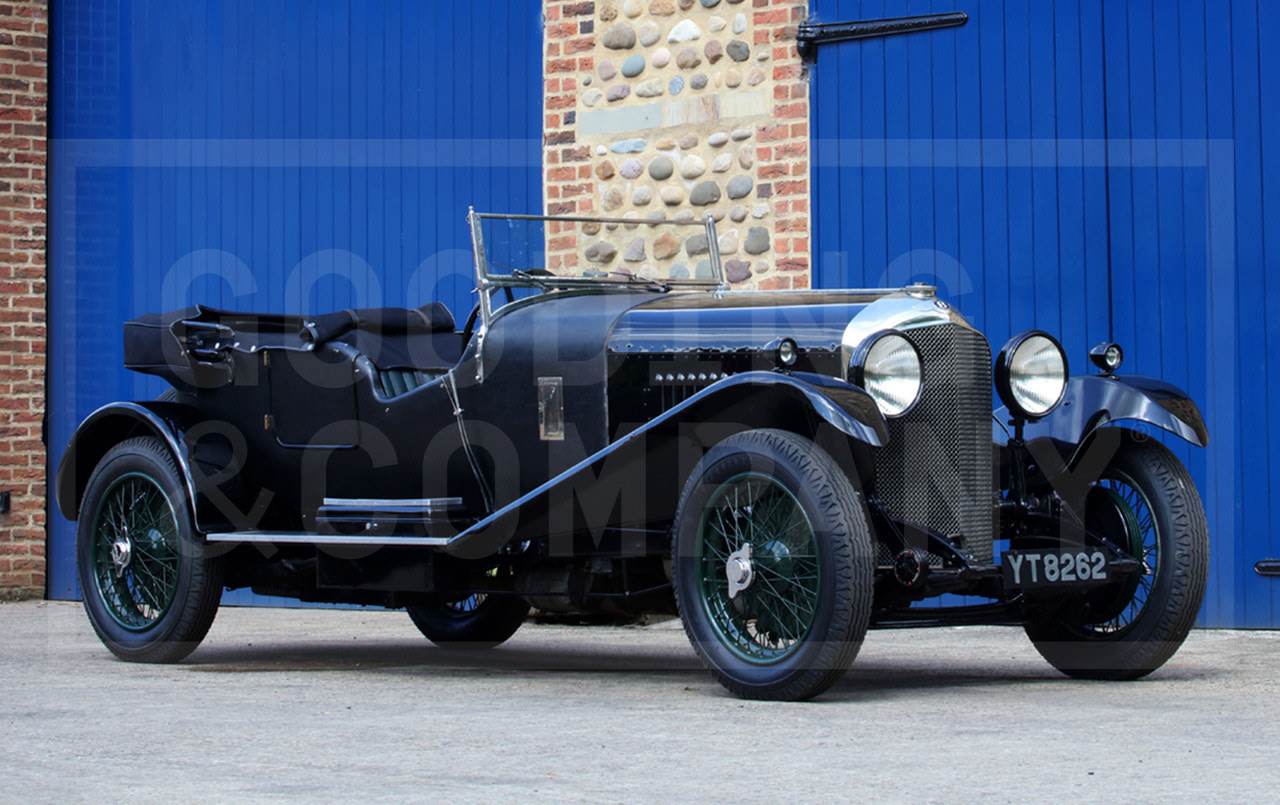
271, 155
1096, 169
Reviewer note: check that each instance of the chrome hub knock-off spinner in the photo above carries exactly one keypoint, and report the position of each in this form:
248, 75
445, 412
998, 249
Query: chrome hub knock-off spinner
739, 570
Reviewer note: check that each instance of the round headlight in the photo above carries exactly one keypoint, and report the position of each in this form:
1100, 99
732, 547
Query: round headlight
1031, 374
887, 366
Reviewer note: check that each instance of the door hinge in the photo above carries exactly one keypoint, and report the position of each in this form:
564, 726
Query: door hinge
811, 34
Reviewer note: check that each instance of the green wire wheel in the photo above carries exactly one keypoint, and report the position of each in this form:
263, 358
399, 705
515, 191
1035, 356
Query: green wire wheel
755, 523
136, 553
151, 589
771, 563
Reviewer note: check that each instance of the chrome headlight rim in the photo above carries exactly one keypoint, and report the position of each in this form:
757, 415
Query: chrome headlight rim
1010, 374
864, 376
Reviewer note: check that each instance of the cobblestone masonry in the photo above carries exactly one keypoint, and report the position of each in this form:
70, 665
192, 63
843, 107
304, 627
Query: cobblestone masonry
24, 32
673, 108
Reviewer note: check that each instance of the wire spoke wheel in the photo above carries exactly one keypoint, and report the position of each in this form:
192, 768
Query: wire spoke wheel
772, 567
769, 619
136, 551
1145, 503
474, 620
1141, 537
150, 589
464, 607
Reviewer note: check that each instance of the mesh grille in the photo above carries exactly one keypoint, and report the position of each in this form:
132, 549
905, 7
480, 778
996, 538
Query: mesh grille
936, 470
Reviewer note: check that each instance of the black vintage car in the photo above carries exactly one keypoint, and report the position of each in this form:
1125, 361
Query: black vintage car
783, 470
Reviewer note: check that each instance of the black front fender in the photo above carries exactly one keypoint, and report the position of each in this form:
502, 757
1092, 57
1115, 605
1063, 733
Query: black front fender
1092, 401
845, 406
795, 401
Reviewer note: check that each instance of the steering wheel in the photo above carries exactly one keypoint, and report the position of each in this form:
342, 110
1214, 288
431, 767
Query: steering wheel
469, 328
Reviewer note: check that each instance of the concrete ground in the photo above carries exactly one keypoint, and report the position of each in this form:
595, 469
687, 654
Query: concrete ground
311, 705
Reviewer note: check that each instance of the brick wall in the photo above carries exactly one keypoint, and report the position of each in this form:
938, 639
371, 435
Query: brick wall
24, 30
671, 109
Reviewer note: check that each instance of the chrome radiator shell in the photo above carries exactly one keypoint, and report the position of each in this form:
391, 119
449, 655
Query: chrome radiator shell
936, 471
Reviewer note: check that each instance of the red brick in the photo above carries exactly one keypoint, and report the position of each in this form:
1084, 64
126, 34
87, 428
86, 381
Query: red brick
774, 284
791, 110
23, 104
767, 133
562, 30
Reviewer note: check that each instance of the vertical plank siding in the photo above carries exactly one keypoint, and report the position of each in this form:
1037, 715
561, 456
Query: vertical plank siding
271, 155
1096, 169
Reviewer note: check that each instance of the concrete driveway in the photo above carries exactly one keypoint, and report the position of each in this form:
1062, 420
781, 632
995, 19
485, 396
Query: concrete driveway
310, 705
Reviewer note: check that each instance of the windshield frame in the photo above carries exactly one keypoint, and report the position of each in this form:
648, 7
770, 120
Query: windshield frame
487, 283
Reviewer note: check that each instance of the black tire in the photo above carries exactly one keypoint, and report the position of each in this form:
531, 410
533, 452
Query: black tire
1135, 627
152, 604
477, 621
795, 630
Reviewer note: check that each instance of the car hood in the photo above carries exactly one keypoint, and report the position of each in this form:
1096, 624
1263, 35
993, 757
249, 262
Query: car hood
752, 320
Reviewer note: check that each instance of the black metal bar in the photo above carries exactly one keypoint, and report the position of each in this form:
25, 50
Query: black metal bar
919, 617
1268, 567
561, 593
810, 35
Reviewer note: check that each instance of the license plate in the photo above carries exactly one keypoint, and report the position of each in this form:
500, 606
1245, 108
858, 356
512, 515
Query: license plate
1024, 569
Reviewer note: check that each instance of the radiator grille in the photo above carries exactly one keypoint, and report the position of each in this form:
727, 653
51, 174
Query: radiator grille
936, 470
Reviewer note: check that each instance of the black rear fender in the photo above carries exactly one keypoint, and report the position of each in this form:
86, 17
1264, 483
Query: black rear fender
178, 426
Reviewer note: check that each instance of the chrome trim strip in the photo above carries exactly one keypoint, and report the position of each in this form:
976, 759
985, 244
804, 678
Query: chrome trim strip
373, 504
308, 538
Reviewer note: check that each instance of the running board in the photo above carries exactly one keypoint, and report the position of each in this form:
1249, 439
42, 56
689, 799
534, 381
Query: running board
310, 538
402, 518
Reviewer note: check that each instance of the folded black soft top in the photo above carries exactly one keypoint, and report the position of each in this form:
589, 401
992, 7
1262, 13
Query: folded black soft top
160, 343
